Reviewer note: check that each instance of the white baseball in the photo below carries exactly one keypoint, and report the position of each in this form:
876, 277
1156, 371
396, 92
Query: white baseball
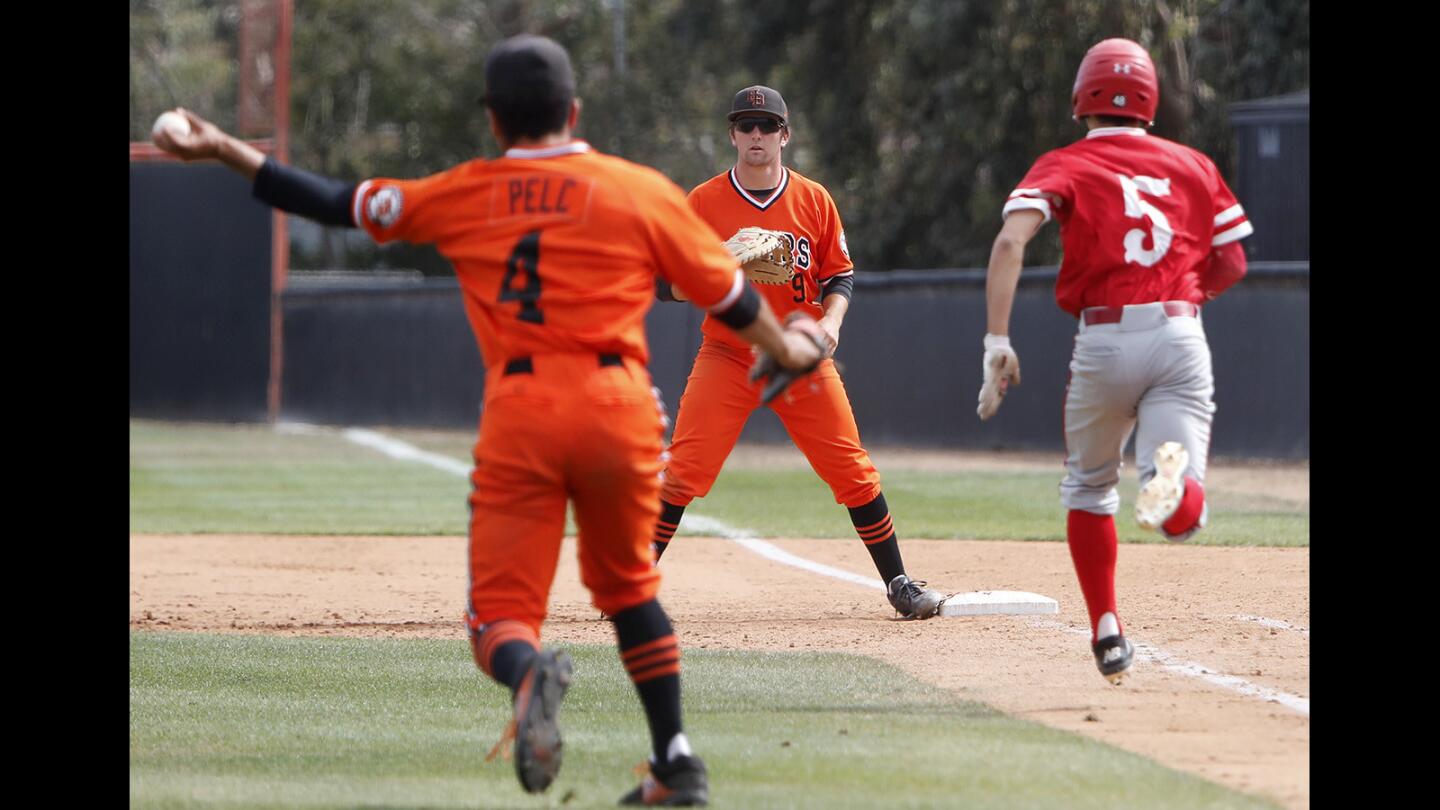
171, 122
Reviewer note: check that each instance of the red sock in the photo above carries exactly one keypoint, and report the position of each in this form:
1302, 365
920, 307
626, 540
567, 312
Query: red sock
1093, 543
1187, 514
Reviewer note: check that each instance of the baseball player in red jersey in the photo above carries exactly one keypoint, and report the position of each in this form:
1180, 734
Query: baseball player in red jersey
1150, 233
761, 192
556, 248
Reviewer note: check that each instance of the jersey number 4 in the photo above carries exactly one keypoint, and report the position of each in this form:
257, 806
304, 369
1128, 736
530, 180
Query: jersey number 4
524, 261
1137, 208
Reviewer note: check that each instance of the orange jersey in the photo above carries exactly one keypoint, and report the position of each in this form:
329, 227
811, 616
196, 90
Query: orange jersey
556, 248
800, 208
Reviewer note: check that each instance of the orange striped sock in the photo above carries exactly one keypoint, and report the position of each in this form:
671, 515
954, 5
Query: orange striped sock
504, 649
877, 531
651, 655
665, 527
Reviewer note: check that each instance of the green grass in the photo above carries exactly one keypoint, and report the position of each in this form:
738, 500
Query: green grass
975, 505
243, 721
248, 479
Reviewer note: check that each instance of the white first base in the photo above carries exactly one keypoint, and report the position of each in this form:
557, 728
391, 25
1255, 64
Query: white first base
990, 603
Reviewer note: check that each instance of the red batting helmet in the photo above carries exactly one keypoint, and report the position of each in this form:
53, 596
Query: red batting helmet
1116, 77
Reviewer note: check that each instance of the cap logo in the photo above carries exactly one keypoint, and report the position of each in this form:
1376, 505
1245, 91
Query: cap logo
1118, 101
756, 98
1122, 67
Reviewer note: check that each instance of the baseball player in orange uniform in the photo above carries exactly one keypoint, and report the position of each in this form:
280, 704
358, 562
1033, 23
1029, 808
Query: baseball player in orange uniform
556, 248
1151, 232
761, 192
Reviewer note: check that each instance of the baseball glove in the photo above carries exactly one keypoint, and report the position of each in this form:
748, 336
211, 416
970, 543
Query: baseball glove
763, 255
775, 376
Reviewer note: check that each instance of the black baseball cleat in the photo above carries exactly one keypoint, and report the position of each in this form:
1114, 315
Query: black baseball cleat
911, 600
681, 782
537, 709
1113, 655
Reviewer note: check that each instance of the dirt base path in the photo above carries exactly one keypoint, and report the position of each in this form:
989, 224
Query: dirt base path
1239, 612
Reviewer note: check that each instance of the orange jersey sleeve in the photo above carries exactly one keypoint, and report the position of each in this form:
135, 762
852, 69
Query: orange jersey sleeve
556, 249
801, 209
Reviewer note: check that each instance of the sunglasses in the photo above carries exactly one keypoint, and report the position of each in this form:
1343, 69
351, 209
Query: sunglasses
768, 126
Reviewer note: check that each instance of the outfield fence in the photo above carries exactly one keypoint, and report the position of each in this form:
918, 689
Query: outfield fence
399, 352
210, 341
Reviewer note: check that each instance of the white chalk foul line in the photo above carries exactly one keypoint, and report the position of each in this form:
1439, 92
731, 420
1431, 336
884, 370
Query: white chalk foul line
1276, 624
772, 551
1153, 654
394, 448
406, 452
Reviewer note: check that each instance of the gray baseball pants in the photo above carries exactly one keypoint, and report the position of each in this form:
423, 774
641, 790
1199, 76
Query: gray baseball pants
1148, 374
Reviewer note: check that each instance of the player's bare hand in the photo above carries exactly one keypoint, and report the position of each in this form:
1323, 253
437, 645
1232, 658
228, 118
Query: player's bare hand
806, 343
1001, 367
201, 142
803, 345
831, 331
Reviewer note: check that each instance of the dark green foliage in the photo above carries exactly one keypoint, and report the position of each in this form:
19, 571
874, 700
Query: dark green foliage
919, 116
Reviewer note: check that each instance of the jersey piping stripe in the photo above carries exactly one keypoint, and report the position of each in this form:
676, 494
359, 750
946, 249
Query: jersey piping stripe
748, 197
1230, 214
572, 148
849, 272
1240, 231
1020, 203
734, 295
359, 198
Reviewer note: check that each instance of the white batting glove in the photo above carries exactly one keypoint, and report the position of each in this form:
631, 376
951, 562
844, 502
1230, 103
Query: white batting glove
1002, 367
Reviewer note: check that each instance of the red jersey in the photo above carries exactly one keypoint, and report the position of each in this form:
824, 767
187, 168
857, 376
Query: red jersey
801, 209
556, 248
1138, 217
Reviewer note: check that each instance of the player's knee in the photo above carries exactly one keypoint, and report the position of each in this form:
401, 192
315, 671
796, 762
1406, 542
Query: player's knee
854, 496
672, 492
1100, 500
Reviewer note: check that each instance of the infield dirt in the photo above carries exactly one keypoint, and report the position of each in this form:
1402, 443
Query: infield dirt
1197, 604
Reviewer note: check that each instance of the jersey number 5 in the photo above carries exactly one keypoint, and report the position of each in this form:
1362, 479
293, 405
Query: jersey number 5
524, 260
1136, 208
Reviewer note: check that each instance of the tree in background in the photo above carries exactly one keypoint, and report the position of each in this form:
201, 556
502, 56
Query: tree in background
918, 115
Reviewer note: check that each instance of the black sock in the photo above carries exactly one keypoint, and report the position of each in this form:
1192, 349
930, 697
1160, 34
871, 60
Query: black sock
510, 662
504, 649
652, 658
665, 527
876, 529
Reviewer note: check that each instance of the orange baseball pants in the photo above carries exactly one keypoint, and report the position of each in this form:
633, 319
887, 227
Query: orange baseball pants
573, 430
719, 397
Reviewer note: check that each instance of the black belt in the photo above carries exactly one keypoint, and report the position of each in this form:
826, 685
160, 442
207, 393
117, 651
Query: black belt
525, 365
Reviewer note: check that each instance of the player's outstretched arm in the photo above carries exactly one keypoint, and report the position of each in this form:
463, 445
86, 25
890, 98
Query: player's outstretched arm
205, 141
1001, 366
323, 199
